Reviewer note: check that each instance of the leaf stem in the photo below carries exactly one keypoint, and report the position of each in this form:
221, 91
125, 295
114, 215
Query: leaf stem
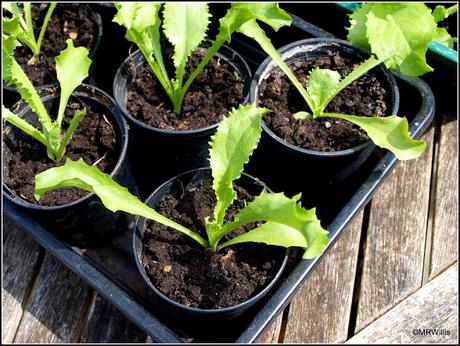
158, 70
24, 126
78, 115
30, 27
49, 12
218, 42
452, 10
153, 215
357, 73
253, 30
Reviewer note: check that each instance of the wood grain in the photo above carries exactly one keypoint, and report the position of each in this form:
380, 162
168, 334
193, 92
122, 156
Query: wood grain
434, 306
320, 311
105, 324
22, 258
271, 336
445, 207
57, 307
395, 242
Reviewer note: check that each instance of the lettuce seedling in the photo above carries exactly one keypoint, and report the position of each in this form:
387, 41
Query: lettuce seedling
286, 222
440, 13
72, 67
20, 24
397, 35
185, 26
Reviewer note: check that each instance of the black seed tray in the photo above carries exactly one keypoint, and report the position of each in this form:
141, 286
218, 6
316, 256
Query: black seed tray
111, 270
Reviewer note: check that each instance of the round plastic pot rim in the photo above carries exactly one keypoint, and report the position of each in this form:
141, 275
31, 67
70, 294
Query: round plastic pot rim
209, 312
121, 124
92, 51
268, 65
175, 132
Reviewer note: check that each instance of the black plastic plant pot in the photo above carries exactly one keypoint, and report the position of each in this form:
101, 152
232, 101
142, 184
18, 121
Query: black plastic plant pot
191, 180
11, 96
109, 55
84, 221
158, 154
299, 165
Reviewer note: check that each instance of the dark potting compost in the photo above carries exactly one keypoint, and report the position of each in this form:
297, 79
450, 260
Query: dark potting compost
110, 271
95, 140
67, 21
197, 277
365, 97
216, 90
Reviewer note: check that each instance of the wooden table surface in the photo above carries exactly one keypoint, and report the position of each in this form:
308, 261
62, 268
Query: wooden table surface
391, 275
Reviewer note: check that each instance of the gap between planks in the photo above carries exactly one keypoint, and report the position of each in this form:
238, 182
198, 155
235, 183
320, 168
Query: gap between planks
325, 299
395, 242
18, 278
443, 218
434, 307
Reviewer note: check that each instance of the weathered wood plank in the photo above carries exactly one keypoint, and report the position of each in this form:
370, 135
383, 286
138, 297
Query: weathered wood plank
22, 258
320, 311
57, 307
271, 336
445, 212
395, 242
433, 307
105, 324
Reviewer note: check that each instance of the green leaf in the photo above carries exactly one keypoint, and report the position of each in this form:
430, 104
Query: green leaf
439, 13
321, 86
72, 67
41, 35
233, 143
398, 33
357, 31
254, 31
242, 12
11, 7
332, 89
114, 196
185, 26
142, 23
443, 37
271, 233
138, 16
78, 115
287, 224
236, 16
15, 120
14, 75
391, 133
11, 26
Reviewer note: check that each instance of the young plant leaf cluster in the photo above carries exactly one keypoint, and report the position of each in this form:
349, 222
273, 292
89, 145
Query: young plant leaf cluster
20, 24
441, 35
396, 35
72, 67
185, 26
285, 222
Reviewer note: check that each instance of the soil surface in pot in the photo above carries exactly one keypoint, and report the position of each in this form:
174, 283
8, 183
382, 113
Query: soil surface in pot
67, 21
364, 97
217, 89
193, 276
95, 139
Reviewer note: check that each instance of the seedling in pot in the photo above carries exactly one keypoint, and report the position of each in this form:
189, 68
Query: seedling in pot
20, 24
72, 66
185, 26
286, 222
397, 35
441, 13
